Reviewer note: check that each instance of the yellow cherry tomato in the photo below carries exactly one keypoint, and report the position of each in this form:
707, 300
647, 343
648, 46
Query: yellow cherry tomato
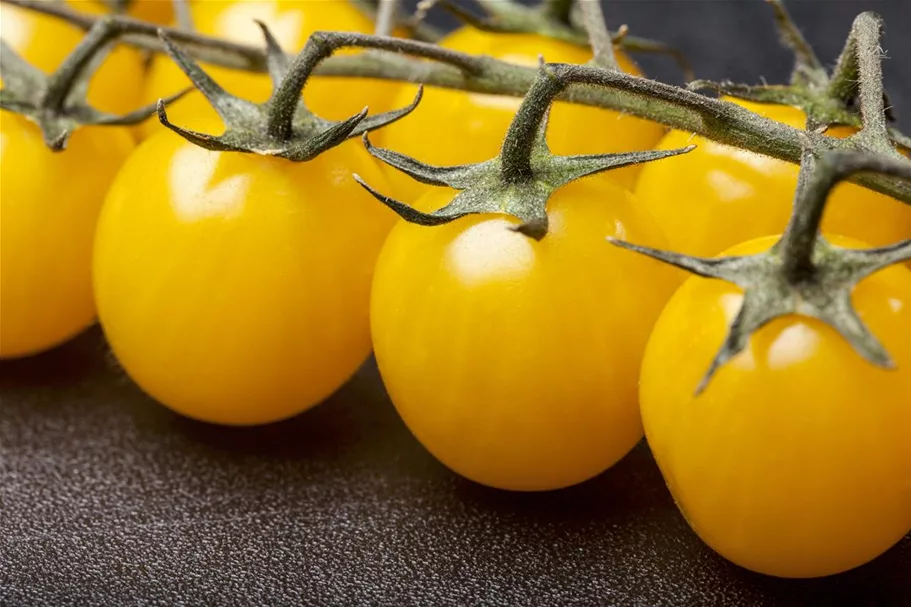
49, 204
452, 127
796, 460
156, 11
234, 288
292, 22
717, 196
45, 42
513, 361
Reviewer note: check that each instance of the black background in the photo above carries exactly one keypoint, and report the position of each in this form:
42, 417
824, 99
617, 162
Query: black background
108, 498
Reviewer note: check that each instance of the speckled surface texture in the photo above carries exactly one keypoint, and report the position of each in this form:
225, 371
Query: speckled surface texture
108, 499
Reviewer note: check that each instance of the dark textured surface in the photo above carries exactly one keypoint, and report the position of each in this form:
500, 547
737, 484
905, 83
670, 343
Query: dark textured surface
106, 498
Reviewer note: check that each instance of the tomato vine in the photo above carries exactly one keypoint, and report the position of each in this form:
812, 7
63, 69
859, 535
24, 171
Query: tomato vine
57, 103
672, 106
521, 179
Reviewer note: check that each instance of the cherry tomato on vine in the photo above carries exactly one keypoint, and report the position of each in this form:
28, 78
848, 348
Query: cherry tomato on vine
234, 288
49, 203
469, 127
717, 196
45, 42
795, 461
156, 11
515, 361
291, 22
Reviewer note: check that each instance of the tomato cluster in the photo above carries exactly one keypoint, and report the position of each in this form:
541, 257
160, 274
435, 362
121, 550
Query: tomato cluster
241, 289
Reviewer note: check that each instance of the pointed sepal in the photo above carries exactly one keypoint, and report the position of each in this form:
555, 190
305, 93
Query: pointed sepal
276, 60
561, 170
57, 102
282, 126
458, 177
802, 274
519, 181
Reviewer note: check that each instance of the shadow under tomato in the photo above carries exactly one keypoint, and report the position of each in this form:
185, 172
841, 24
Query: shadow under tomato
356, 419
631, 486
70, 362
879, 583
629, 506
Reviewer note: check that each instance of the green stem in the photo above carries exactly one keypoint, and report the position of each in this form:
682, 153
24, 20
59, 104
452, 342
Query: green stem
145, 36
863, 46
807, 66
525, 128
598, 35
843, 82
677, 108
118, 6
558, 10
415, 27
868, 30
643, 45
183, 16
76, 63
385, 17
466, 17
799, 240
321, 45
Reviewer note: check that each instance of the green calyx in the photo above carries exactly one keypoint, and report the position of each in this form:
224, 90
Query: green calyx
802, 274
57, 102
827, 99
282, 126
520, 180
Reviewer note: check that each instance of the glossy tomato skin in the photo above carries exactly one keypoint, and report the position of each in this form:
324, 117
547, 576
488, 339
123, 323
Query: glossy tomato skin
514, 361
156, 11
49, 203
717, 196
45, 42
452, 127
292, 22
234, 288
795, 461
